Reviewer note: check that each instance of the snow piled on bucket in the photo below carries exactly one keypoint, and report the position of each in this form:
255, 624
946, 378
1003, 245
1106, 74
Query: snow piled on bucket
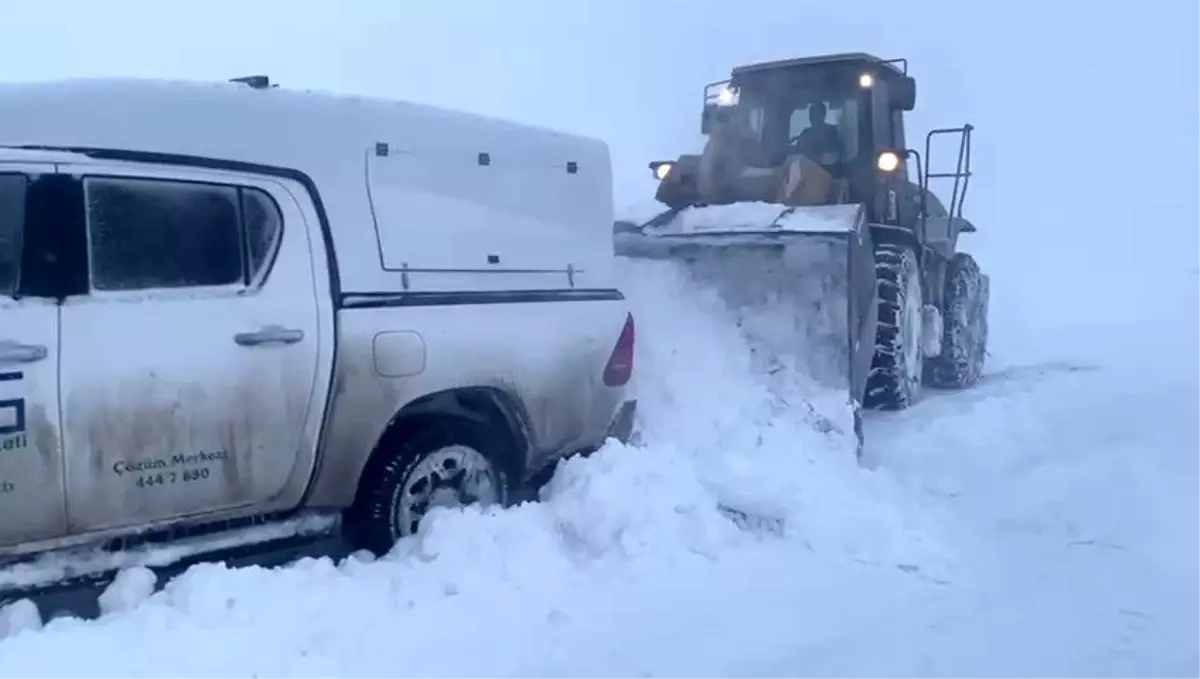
789, 304
759, 435
737, 497
762, 216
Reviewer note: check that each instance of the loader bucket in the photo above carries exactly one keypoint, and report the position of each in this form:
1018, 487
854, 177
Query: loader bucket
817, 262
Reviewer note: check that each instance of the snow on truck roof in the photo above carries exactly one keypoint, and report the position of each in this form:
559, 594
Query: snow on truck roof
342, 143
258, 125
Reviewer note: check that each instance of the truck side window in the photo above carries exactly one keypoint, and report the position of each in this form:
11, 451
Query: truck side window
12, 226
263, 227
152, 233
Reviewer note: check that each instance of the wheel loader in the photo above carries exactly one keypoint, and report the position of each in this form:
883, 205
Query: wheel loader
806, 191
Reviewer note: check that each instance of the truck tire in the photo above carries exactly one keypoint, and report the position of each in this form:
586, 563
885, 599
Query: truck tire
454, 465
965, 323
858, 435
898, 366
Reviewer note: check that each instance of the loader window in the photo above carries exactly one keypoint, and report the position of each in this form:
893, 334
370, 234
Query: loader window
843, 114
754, 119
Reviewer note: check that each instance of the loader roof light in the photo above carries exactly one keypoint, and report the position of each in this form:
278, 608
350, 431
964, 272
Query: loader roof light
728, 96
888, 161
866, 80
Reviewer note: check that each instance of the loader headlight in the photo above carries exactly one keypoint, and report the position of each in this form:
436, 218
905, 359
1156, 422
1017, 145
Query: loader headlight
661, 170
866, 81
889, 161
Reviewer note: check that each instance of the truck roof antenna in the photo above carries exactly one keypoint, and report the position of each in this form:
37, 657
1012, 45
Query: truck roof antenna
258, 82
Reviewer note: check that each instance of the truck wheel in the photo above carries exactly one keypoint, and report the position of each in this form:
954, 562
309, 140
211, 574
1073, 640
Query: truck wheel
965, 326
438, 466
896, 370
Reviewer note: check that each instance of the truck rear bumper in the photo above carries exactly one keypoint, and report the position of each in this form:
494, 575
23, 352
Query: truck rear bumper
621, 427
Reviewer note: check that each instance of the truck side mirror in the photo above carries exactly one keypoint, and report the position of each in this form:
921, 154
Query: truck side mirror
903, 93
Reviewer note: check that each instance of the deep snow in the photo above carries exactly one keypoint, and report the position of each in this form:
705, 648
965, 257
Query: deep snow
1052, 511
1043, 523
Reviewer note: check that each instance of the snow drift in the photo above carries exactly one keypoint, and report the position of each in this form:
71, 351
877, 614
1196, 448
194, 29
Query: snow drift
741, 474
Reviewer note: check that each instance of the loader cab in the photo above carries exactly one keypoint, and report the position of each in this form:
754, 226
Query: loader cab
841, 111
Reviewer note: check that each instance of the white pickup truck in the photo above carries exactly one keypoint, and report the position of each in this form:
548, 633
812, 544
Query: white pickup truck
221, 302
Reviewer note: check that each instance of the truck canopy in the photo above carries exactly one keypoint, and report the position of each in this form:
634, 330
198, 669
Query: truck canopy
416, 197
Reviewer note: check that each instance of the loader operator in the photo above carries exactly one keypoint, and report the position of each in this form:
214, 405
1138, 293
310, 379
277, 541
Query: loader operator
820, 141
736, 166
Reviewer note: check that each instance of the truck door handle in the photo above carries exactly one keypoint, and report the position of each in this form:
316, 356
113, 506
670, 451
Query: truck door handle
13, 352
272, 334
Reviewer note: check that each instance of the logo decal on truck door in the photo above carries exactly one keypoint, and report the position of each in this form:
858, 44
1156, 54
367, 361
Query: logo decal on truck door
12, 419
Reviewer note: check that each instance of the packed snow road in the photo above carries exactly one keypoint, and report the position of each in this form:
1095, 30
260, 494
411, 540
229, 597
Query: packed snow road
1043, 523
1074, 486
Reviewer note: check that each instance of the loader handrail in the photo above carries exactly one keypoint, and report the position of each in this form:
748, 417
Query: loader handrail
709, 97
962, 169
920, 174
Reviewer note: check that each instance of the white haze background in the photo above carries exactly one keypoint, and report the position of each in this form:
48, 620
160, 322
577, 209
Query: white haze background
1087, 139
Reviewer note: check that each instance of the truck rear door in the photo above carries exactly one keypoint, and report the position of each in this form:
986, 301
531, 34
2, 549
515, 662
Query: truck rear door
190, 365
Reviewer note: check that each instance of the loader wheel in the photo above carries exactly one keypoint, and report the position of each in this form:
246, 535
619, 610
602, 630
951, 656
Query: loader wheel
965, 323
433, 466
896, 370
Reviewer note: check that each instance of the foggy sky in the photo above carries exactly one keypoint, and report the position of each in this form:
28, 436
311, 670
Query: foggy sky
630, 71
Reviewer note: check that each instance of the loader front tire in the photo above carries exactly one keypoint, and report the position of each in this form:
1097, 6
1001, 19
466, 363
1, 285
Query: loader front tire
898, 365
965, 326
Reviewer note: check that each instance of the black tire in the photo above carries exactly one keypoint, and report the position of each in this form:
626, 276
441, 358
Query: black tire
375, 520
858, 435
896, 374
964, 324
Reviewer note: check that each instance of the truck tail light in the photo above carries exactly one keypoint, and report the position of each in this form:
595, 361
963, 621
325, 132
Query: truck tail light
620, 363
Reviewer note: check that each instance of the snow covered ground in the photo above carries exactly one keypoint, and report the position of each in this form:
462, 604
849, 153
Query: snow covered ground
1044, 523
